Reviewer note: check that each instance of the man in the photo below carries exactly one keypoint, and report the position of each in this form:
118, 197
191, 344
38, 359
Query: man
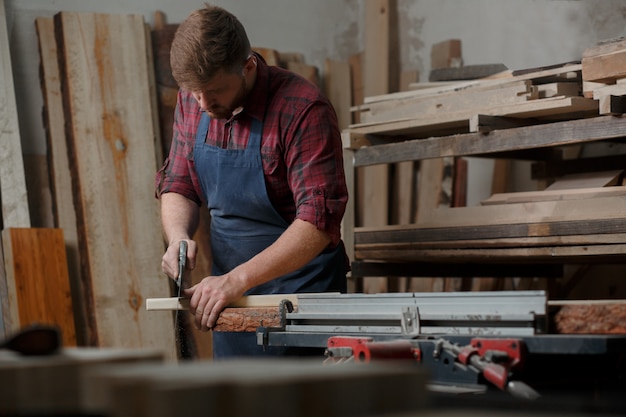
260, 146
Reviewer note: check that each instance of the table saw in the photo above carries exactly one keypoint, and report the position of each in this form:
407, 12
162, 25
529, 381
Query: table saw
493, 343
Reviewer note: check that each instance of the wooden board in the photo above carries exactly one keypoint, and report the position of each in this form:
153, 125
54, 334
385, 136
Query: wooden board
551, 195
605, 62
12, 180
111, 142
250, 301
38, 280
55, 384
61, 179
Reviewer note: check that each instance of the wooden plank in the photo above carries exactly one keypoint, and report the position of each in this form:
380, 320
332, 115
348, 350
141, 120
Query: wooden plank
337, 85
61, 179
469, 100
605, 62
15, 212
529, 137
549, 108
587, 180
498, 242
466, 72
56, 384
38, 280
377, 75
110, 127
303, 388
562, 254
552, 195
250, 301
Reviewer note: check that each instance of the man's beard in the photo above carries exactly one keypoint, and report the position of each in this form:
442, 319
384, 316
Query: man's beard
225, 112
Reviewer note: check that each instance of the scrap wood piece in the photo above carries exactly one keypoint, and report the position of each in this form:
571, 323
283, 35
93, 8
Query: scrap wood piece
605, 62
15, 211
590, 317
111, 140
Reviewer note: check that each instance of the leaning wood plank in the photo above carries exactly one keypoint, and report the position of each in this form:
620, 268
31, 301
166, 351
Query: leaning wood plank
378, 72
591, 317
112, 160
61, 179
12, 180
40, 288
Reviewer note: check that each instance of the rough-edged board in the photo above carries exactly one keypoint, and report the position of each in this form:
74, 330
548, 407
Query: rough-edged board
60, 177
12, 180
38, 281
111, 139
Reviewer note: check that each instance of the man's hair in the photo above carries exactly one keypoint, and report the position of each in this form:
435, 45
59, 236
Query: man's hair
209, 40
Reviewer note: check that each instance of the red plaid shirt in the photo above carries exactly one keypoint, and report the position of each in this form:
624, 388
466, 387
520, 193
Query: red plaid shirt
301, 148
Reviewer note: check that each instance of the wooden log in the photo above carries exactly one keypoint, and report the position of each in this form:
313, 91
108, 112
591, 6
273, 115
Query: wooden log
590, 316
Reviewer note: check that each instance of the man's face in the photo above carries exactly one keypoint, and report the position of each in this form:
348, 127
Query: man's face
223, 95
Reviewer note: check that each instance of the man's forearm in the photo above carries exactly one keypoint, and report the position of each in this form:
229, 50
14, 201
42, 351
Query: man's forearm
179, 217
298, 245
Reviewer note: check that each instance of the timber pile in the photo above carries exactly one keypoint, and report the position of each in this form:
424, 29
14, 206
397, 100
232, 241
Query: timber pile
529, 114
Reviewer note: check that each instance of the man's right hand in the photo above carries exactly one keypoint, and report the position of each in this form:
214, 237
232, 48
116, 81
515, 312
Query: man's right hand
169, 262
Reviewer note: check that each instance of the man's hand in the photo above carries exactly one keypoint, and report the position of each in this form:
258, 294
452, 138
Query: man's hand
169, 262
209, 297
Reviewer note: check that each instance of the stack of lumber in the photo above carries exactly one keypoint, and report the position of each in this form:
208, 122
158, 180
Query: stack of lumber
103, 141
525, 114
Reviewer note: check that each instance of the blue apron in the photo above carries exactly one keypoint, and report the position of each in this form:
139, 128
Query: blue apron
244, 222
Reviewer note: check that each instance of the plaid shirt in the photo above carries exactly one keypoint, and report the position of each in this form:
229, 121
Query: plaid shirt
301, 148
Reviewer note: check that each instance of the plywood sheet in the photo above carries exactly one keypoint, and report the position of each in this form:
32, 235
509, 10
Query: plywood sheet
111, 146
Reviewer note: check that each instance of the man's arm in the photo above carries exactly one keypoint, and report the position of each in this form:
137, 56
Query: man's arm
299, 244
179, 217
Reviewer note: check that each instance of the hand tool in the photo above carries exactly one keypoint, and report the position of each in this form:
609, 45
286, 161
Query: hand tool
182, 261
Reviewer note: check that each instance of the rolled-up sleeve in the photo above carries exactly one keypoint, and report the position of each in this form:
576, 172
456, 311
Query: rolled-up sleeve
177, 174
316, 172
